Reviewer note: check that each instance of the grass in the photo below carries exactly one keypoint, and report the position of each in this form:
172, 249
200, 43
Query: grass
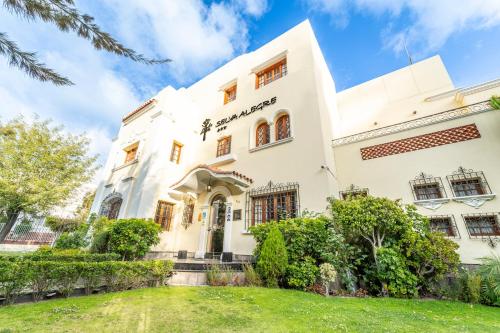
228, 309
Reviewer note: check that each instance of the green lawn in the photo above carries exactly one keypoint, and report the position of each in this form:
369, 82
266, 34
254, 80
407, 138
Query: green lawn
226, 309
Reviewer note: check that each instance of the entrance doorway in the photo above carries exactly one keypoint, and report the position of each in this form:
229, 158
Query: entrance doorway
216, 226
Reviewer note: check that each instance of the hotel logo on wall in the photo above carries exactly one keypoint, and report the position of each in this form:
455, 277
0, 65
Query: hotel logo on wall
222, 124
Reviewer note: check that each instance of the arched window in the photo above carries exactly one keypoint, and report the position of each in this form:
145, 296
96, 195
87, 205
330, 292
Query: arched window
111, 207
262, 135
283, 127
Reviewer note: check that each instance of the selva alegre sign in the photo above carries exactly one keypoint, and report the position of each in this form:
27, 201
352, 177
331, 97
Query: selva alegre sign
222, 123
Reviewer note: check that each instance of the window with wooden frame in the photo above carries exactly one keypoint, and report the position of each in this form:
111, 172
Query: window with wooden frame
175, 155
230, 94
262, 135
427, 187
224, 146
282, 127
131, 152
482, 225
445, 224
272, 203
164, 214
270, 74
466, 183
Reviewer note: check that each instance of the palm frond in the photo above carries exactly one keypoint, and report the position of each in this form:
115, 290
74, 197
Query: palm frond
67, 18
28, 62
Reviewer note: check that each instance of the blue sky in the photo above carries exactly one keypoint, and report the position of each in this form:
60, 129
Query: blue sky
361, 39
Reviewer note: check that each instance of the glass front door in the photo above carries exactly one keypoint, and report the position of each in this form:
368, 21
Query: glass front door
216, 227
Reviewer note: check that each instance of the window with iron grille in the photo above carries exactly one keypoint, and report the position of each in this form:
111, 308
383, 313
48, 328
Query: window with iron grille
262, 135
164, 213
427, 187
224, 146
353, 192
445, 224
466, 183
230, 94
482, 225
282, 127
272, 203
175, 155
270, 74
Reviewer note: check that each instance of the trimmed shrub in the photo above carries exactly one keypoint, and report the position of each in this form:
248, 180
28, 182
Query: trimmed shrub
302, 274
66, 275
67, 256
393, 272
12, 280
273, 258
42, 277
132, 238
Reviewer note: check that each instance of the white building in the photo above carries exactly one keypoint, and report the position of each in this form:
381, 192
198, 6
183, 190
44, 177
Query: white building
267, 136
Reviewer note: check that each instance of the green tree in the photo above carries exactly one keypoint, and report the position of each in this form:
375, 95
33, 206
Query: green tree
495, 102
273, 259
370, 219
66, 17
132, 238
40, 167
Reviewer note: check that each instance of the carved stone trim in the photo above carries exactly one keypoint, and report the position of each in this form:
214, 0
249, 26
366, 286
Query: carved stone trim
431, 204
475, 201
421, 122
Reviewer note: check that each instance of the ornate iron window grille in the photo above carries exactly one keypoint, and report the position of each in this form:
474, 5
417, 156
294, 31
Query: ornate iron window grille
353, 191
187, 214
445, 224
427, 187
466, 182
275, 195
483, 226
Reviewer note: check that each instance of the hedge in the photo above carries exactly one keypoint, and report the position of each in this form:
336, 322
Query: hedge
44, 276
62, 257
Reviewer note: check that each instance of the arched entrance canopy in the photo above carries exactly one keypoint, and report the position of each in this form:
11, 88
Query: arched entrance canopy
199, 178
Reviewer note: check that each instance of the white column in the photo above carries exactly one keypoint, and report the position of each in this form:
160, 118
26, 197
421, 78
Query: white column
202, 242
228, 225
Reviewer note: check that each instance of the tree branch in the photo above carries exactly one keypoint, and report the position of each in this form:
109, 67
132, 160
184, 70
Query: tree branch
66, 17
28, 62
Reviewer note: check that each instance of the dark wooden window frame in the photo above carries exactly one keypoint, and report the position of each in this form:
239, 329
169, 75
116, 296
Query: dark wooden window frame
223, 146
164, 214
284, 200
230, 93
466, 182
451, 231
426, 187
262, 134
271, 73
476, 230
282, 127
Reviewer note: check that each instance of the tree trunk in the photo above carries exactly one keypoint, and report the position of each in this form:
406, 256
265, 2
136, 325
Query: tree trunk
11, 220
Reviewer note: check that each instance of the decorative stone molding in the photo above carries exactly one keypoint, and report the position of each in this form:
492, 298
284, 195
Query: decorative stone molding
412, 124
475, 201
431, 204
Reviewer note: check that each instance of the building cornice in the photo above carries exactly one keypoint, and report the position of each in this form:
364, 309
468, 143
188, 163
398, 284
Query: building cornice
412, 124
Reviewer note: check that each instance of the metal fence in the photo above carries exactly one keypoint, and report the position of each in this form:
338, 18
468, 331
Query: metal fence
29, 230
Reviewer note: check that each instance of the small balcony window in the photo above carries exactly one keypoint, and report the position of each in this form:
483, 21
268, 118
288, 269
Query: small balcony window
427, 187
270, 74
131, 152
224, 146
353, 192
482, 225
466, 183
175, 154
230, 94
445, 224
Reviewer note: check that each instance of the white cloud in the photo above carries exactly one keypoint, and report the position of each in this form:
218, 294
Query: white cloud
197, 36
432, 22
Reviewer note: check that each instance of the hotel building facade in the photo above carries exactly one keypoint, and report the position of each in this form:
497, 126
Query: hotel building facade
267, 136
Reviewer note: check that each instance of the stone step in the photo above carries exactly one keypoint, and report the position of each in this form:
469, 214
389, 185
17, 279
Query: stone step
198, 278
